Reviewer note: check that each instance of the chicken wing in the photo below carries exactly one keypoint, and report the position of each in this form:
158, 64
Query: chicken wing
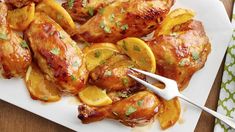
180, 54
124, 18
82, 10
15, 55
57, 54
137, 109
112, 75
20, 3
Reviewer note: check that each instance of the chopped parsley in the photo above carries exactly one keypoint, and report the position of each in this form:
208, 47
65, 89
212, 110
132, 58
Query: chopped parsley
184, 62
55, 51
3, 36
124, 27
108, 73
24, 44
75, 64
125, 81
70, 3
97, 54
140, 103
111, 17
107, 29
136, 48
118, 24
84, 3
101, 10
73, 77
195, 55
130, 110
91, 11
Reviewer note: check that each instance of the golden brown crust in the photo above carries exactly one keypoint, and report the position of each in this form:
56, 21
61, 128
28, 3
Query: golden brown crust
135, 110
182, 53
14, 58
113, 75
57, 54
81, 10
125, 18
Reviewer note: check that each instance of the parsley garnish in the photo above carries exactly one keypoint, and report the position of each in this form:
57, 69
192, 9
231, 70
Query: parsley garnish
118, 24
140, 102
124, 27
3, 36
24, 44
111, 17
125, 81
107, 29
55, 51
195, 55
73, 77
75, 64
97, 54
101, 10
184, 62
122, 94
70, 3
130, 110
136, 48
91, 11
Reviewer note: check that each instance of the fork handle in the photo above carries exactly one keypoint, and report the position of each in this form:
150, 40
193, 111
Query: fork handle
229, 121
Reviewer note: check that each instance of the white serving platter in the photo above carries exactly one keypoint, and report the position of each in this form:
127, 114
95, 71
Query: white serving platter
64, 112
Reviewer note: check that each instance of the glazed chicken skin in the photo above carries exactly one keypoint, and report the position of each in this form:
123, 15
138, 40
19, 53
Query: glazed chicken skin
83, 10
136, 110
57, 54
15, 55
180, 54
20, 3
122, 19
113, 74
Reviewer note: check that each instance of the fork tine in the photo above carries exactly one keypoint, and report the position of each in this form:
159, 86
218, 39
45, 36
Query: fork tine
157, 77
155, 89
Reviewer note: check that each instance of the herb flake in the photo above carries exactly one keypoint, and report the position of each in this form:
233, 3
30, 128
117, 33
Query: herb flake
140, 103
55, 51
24, 44
97, 54
130, 110
124, 27
70, 3
91, 11
195, 55
125, 81
136, 48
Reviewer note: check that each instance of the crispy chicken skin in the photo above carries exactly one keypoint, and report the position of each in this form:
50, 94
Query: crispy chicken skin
82, 10
20, 3
14, 55
135, 110
124, 18
57, 54
182, 53
112, 75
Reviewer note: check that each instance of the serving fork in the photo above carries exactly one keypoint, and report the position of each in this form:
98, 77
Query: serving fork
171, 91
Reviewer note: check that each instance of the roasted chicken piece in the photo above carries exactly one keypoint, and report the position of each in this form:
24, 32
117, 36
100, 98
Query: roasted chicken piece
82, 10
57, 54
183, 52
137, 109
15, 55
20, 3
112, 75
124, 18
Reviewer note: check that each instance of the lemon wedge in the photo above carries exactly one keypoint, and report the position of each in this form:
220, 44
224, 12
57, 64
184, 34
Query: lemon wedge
39, 87
139, 52
94, 96
96, 54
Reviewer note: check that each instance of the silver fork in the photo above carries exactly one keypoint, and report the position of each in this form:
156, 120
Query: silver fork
171, 91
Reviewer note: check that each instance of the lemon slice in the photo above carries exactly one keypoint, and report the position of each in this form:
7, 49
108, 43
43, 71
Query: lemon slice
139, 52
176, 17
94, 96
96, 54
40, 88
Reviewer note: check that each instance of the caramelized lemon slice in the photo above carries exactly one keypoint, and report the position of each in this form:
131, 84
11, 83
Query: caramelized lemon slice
58, 14
94, 96
39, 87
176, 17
96, 54
139, 52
